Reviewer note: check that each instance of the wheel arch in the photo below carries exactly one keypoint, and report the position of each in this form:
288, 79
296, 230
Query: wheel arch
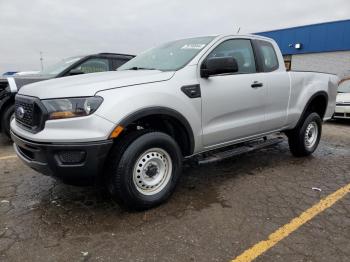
167, 120
317, 103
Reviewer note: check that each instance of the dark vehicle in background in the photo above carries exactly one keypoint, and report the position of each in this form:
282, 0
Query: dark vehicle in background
78, 65
10, 73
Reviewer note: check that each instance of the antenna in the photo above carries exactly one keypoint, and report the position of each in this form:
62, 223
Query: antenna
239, 29
41, 61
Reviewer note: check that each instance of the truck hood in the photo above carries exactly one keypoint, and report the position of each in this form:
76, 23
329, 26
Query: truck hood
90, 84
343, 97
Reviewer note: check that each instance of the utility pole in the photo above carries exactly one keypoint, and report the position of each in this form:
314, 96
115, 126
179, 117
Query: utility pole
41, 61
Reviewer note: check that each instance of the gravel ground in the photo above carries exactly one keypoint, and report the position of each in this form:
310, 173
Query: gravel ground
217, 212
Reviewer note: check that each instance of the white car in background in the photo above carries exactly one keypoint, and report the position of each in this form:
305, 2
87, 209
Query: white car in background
342, 109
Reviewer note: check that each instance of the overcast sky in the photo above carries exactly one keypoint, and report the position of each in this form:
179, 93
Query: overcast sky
62, 28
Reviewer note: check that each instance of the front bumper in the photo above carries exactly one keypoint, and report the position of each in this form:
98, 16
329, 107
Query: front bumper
74, 163
342, 111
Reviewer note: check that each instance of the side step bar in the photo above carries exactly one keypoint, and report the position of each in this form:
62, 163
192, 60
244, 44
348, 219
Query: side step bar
239, 149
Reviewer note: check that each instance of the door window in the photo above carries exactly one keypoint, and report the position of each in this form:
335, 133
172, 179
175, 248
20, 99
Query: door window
241, 50
268, 56
94, 65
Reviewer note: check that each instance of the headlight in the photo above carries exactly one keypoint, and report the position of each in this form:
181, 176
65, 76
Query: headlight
72, 107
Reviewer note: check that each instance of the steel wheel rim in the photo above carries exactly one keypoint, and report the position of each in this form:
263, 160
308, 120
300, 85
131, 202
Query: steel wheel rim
311, 135
152, 171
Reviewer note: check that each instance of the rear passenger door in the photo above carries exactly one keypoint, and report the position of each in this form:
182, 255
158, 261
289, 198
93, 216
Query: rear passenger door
233, 105
277, 83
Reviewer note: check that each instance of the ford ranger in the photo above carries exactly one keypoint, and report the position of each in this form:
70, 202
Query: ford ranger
134, 127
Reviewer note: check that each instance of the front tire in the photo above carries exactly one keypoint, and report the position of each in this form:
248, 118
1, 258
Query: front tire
304, 139
143, 169
6, 118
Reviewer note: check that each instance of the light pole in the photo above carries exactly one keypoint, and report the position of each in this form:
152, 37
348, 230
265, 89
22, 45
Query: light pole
41, 61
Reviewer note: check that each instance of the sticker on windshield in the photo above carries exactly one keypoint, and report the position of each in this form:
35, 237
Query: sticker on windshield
193, 46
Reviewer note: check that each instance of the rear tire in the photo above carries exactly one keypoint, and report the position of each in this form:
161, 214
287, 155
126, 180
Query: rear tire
143, 169
6, 118
304, 139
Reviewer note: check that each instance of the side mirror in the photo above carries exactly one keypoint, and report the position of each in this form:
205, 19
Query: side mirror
75, 72
218, 65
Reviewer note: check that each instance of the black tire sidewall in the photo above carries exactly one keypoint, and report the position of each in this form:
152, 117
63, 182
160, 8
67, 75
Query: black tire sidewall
5, 121
313, 117
131, 155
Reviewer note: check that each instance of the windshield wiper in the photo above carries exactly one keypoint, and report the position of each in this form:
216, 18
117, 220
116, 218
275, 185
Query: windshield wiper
140, 68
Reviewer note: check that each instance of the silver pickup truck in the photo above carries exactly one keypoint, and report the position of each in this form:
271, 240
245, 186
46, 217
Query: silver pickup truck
134, 127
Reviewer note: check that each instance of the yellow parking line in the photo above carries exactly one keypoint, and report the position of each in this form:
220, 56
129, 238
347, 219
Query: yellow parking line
7, 157
255, 251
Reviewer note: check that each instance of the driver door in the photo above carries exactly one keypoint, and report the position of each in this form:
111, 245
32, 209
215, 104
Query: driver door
233, 105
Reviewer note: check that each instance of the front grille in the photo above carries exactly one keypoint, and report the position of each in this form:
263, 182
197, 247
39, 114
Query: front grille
343, 104
29, 113
27, 117
72, 157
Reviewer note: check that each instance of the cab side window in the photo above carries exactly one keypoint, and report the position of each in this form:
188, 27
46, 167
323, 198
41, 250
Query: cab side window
241, 50
268, 56
94, 65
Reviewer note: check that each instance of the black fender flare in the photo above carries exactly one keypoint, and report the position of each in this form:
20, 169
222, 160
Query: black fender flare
319, 93
161, 111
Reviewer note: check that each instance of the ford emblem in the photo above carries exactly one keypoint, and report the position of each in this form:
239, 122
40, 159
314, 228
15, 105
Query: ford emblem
20, 112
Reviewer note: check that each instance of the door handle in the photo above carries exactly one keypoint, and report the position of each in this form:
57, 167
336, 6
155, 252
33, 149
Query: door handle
257, 84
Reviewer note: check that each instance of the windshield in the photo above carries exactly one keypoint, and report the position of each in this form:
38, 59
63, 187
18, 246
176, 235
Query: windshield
344, 87
170, 56
60, 66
